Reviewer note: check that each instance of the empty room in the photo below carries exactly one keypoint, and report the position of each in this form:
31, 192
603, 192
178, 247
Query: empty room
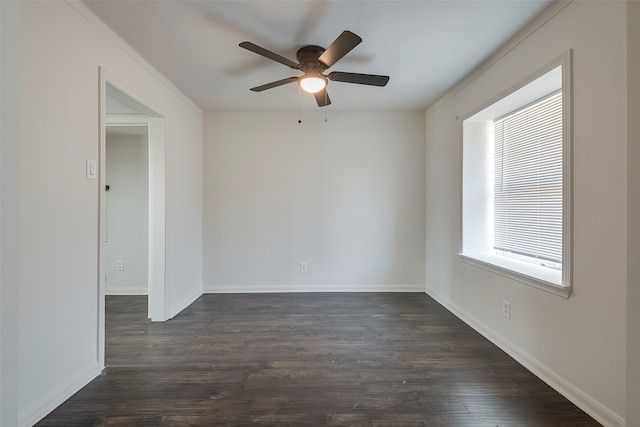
373, 213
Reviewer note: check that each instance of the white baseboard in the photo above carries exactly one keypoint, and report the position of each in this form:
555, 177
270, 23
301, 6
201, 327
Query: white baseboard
257, 289
58, 395
184, 303
126, 290
588, 404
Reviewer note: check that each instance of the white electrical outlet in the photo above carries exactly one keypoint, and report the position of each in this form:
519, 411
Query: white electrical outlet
303, 267
506, 309
119, 265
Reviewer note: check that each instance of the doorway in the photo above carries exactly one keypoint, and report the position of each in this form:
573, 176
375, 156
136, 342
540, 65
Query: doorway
127, 208
123, 112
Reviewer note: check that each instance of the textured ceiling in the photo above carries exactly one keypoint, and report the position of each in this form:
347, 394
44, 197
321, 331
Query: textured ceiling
424, 46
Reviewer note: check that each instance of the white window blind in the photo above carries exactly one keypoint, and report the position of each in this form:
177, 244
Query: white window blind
528, 181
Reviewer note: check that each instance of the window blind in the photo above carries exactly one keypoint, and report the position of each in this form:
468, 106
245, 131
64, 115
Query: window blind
528, 180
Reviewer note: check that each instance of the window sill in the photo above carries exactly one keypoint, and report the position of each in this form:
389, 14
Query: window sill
543, 278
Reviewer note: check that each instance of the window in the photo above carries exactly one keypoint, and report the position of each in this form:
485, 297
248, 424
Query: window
527, 186
516, 182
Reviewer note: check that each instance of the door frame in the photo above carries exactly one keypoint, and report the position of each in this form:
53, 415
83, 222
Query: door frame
157, 207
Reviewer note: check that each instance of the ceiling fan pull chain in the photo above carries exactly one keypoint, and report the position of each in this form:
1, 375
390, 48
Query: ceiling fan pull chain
299, 114
326, 107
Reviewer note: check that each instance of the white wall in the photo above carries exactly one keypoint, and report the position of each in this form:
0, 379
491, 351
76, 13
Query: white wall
578, 345
127, 174
633, 214
9, 208
345, 196
63, 46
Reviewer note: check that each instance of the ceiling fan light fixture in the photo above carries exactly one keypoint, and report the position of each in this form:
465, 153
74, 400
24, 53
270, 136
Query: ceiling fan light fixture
313, 83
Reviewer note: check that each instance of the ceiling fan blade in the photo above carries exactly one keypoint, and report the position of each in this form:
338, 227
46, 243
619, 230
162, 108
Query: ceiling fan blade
274, 84
339, 48
268, 54
361, 79
322, 98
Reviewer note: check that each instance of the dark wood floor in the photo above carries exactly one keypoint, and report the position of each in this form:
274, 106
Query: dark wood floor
308, 360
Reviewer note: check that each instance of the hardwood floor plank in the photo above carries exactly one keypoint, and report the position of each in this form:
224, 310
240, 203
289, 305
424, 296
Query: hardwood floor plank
335, 359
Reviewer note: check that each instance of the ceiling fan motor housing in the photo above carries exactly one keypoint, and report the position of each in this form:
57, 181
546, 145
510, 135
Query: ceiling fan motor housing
308, 59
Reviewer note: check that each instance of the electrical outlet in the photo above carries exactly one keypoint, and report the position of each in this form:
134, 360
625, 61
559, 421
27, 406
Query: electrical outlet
119, 265
506, 309
303, 267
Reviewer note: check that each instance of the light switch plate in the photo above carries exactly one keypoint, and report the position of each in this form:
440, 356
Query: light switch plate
92, 169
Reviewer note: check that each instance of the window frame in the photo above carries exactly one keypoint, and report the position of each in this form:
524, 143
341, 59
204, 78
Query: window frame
474, 230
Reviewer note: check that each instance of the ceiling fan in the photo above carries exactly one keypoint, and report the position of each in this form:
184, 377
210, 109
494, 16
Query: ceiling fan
313, 61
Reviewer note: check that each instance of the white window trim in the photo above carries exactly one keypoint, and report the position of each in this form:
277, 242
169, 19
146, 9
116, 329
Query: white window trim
553, 281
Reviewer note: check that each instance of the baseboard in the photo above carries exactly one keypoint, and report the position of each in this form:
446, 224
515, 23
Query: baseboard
184, 303
255, 289
127, 291
58, 395
588, 404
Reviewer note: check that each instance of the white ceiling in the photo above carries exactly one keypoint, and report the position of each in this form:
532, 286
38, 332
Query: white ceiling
424, 46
